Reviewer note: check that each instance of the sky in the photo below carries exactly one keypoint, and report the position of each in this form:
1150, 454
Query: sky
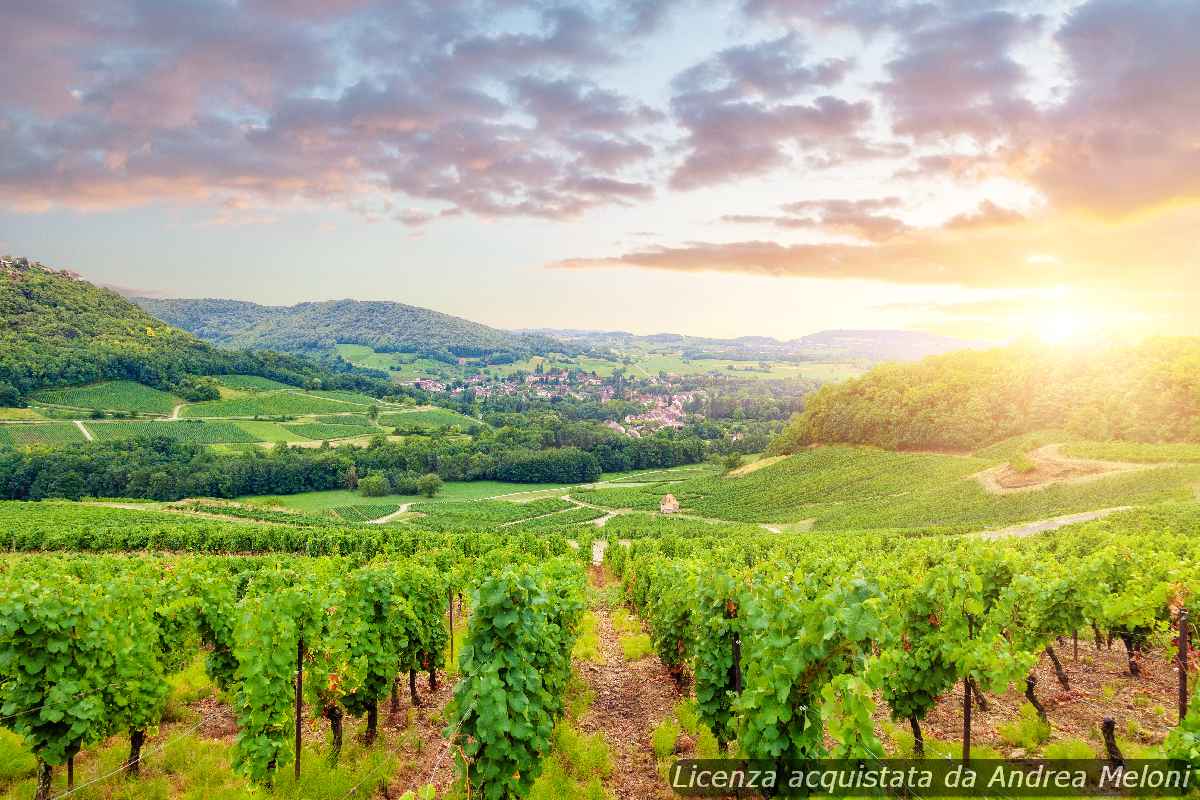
717, 167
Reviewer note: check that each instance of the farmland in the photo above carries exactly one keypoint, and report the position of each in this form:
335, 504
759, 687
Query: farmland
112, 396
187, 431
249, 383
40, 433
326, 430
272, 404
427, 419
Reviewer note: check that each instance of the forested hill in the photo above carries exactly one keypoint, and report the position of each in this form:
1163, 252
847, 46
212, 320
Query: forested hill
384, 326
59, 330
959, 401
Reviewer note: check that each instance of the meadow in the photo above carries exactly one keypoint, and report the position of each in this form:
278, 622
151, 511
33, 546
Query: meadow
249, 383
424, 419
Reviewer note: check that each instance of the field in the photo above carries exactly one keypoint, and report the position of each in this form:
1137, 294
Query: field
848, 488
320, 431
40, 433
249, 383
1135, 452
263, 431
20, 414
112, 396
272, 404
427, 419
365, 512
186, 431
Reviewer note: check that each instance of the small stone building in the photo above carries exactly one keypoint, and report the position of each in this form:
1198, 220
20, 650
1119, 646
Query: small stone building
668, 505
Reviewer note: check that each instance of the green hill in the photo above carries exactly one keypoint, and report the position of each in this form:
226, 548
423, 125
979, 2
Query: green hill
1149, 392
311, 327
57, 330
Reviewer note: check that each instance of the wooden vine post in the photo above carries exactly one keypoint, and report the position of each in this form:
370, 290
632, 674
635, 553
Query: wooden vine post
1183, 664
450, 597
966, 750
299, 702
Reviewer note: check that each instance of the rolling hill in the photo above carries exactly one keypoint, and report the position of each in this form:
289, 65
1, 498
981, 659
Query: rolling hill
833, 345
310, 327
57, 330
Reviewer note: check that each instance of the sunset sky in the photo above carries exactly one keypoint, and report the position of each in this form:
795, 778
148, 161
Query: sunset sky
768, 167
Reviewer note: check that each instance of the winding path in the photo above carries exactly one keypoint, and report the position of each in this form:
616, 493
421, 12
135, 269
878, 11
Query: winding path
403, 509
86, 433
1052, 524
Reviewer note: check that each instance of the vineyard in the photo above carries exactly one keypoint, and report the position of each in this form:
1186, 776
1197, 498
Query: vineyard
40, 433
427, 419
326, 430
186, 431
270, 404
859, 644
112, 396
249, 383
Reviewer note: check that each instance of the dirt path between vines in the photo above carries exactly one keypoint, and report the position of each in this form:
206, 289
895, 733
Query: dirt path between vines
631, 699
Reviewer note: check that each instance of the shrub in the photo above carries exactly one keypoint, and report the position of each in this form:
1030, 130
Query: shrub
1068, 749
374, 485
429, 485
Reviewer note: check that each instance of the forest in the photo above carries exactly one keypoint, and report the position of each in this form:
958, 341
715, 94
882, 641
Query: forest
1148, 392
57, 330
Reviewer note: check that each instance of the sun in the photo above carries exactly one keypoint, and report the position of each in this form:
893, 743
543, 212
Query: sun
1065, 327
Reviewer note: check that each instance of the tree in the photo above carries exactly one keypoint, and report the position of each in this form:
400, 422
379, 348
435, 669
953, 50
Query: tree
9, 396
374, 485
429, 485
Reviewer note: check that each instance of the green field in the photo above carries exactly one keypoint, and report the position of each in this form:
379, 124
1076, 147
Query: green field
320, 431
186, 431
40, 433
427, 419
19, 414
853, 488
249, 383
271, 404
112, 396
1137, 452
268, 431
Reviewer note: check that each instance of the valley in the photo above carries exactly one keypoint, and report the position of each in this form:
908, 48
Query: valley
358, 549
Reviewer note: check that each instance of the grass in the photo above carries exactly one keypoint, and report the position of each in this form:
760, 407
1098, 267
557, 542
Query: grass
112, 396
20, 414
1028, 730
1137, 452
452, 491
268, 431
587, 645
636, 647
664, 737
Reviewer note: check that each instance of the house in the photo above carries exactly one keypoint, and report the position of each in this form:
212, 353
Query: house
668, 505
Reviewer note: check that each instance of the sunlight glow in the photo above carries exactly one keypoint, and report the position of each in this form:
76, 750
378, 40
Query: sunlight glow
1066, 327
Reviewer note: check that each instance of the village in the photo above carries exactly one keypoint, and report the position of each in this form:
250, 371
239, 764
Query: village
663, 399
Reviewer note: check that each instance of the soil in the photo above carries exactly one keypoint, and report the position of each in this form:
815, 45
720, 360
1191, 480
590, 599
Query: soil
631, 699
1101, 687
1051, 467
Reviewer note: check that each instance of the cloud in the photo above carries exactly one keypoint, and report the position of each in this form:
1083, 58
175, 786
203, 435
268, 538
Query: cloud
279, 101
742, 112
1088, 252
861, 219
